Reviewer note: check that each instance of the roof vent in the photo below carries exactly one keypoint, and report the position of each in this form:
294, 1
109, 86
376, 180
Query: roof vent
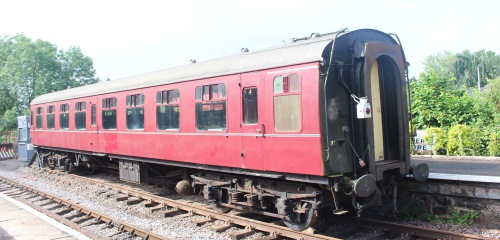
192, 61
244, 50
315, 35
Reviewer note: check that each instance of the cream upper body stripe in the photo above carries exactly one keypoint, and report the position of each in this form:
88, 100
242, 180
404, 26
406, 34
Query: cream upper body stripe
292, 70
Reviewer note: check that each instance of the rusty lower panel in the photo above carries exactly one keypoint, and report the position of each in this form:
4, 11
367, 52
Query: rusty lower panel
7, 151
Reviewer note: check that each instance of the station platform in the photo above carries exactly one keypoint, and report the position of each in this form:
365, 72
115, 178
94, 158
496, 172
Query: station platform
474, 166
20, 222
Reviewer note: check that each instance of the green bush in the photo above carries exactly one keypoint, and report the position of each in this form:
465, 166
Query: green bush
494, 144
436, 138
464, 141
467, 217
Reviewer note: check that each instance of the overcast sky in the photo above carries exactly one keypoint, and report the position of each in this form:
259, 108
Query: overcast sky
131, 37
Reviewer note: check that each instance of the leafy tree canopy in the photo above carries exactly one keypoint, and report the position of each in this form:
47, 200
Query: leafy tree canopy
436, 104
31, 68
446, 101
463, 67
446, 92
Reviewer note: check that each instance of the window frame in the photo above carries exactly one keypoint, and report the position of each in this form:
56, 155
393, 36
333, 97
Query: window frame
243, 106
64, 110
135, 101
109, 104
51, 111
163, 99
93, 115
39, 116
209, 97
81, 107
286, 91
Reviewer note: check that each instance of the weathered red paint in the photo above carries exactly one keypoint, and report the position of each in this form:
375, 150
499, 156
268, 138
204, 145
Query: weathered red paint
239, 146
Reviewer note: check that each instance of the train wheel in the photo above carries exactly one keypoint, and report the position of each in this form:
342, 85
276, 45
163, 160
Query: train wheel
221, 209
70, 167
300, 221
222, 197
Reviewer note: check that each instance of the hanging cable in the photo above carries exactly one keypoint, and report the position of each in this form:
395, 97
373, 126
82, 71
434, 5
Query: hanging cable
360, 158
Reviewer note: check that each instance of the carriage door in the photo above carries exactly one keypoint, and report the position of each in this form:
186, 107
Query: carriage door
92, 122
252, 126
385, 84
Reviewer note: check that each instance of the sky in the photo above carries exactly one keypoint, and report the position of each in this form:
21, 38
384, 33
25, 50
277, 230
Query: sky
126, 38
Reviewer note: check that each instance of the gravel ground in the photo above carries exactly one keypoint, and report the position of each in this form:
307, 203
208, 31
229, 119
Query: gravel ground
471, 229
179, 227
85, 195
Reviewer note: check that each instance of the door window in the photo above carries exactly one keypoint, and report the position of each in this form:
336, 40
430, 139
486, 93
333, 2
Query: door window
250, 106
93, 116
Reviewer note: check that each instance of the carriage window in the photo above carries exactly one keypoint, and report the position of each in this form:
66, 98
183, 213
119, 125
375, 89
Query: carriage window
109, 113
38, 119
50, 116
278, 84
80, 115
135, 111
287, 110
250, 111
211, 107
93, 115
294, 82
198, 93
64, 116
167, 110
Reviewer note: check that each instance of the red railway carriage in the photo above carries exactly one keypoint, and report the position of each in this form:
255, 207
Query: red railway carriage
281, 131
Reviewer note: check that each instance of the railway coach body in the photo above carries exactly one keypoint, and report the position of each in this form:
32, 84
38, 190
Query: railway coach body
250, 126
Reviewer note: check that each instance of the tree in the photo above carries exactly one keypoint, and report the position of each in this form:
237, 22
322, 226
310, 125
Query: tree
487, 104
75, 70
466, 64
436, 103
445, 97
32, 68
8, 120
440, 64
29, 68
463, 66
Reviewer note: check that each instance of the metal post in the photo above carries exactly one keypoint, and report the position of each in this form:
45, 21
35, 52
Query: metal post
479, 77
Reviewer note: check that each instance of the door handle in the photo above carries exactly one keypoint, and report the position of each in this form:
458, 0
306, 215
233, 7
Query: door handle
263, 127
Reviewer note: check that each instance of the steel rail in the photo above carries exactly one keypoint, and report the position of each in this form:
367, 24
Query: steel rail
418, 231
249, 224
88, 212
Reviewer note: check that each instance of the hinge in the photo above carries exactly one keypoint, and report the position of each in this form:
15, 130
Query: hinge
239, 84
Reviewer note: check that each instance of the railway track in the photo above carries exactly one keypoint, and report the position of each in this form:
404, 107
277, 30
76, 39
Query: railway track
91, 223
417, 231
168, 208
171, 208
